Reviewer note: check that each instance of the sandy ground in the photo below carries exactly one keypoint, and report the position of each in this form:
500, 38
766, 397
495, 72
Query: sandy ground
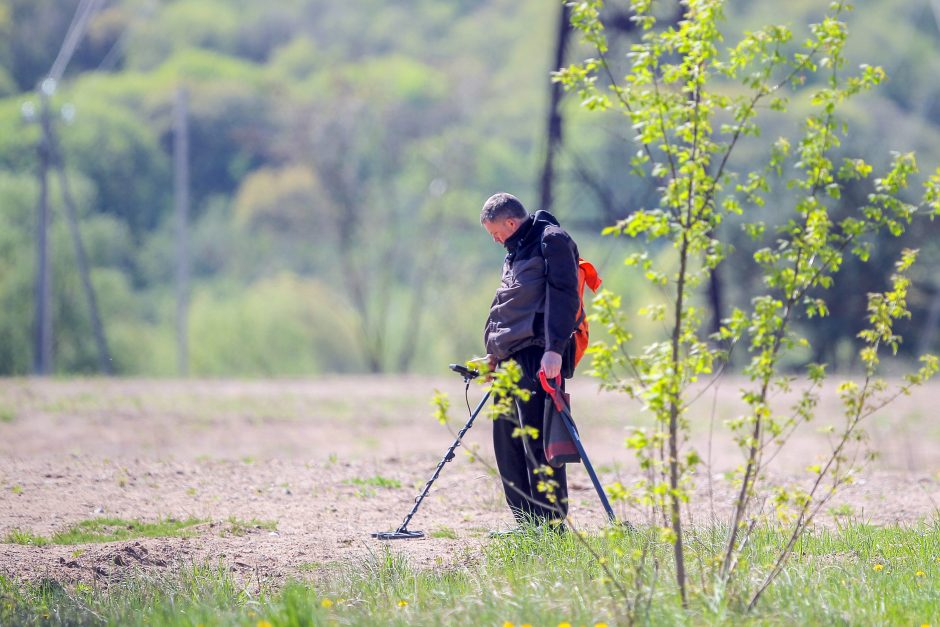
304, 457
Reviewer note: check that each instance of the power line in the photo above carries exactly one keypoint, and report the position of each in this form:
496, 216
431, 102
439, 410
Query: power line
107, 63
935, 7
143, 13
86, 8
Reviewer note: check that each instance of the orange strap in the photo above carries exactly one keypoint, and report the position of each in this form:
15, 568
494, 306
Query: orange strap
591, 278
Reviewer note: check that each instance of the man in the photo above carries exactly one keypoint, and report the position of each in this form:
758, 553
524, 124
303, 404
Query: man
533, 315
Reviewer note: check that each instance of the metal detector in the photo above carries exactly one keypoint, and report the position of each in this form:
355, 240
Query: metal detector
558, 399
403, 533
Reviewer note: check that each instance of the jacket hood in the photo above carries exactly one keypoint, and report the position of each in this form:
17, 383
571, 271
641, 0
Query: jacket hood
531, 228
545, 218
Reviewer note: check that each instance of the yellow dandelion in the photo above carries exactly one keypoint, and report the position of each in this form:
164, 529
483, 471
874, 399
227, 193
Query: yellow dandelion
600, 624
920, 573
925, 625
326, 603
564, 624
878, 567
264, 623
526, 625
402, 603
508, 624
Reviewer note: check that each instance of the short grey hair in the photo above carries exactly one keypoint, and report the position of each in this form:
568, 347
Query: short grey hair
502, 206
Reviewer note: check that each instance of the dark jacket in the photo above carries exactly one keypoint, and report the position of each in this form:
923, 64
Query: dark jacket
537, 302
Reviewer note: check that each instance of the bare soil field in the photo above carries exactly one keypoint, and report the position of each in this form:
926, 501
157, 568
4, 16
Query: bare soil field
290, 477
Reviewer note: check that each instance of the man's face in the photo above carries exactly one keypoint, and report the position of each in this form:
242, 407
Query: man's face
501, 230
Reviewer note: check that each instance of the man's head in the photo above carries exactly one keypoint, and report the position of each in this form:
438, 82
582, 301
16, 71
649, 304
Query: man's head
502, 215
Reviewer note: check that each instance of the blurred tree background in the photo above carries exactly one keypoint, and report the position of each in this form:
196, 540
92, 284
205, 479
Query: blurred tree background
339, 153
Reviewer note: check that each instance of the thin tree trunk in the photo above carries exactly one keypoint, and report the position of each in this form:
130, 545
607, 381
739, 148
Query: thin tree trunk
554, 125
425, 272
676, 517
715, 298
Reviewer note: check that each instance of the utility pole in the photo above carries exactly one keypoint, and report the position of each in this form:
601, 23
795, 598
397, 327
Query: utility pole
42, 347
42, 325
181, 196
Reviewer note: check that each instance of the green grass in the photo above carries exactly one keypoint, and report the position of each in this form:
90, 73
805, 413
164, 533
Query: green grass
108, 530
377, 481
238, 527
366, 486
7, 413
843, 510
444, 532
20, 536
855, 575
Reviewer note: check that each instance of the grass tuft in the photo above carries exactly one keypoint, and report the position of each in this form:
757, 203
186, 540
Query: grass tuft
377, 481
366, 486
118, 529
98, 530
444, 532
238, 527
26, 538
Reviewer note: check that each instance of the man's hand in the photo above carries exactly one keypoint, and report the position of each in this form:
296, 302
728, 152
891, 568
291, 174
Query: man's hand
491, 363
551, 364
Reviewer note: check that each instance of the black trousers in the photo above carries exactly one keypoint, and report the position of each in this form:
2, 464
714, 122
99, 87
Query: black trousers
518, 458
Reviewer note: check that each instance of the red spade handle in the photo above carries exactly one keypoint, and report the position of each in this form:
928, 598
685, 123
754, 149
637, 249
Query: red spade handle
554, 392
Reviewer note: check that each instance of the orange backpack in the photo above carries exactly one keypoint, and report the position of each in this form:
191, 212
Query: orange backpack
587, 275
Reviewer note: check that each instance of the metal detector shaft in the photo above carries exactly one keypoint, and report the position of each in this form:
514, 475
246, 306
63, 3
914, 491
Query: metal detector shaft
447, 457
569, 422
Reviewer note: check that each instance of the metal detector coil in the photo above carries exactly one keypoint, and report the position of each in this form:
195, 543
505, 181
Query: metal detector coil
398, 535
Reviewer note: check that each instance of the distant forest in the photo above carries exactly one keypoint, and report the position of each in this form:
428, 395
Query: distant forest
338, 156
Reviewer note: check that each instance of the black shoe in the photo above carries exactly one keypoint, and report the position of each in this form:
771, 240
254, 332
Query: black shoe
560, 528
